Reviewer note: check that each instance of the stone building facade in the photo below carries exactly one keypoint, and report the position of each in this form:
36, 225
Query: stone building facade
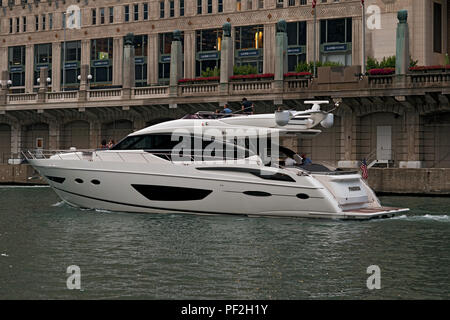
34, 37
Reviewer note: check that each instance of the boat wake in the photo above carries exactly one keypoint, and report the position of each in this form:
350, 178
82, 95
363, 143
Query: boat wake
426, 217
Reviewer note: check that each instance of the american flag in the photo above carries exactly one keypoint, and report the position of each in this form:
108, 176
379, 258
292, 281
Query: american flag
363, 167
314, 2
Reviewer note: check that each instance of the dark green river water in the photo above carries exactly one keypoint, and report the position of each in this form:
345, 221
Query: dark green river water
157, 256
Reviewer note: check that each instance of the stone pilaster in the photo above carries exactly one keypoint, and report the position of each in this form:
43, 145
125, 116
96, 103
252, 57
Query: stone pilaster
129, 78
411, 140
189, 54
85, 52
281, 63
56, 66
43, 85
117, 61
3, 59
176, 71
54, 135
95, 128
152, 59
269, 44
348, 140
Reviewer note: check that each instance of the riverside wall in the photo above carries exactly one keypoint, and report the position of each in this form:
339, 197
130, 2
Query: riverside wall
427, 181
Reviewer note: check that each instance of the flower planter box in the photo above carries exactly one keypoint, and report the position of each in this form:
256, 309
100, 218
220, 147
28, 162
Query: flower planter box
297, 75
430, 69
201, 80
381, 72
253, 77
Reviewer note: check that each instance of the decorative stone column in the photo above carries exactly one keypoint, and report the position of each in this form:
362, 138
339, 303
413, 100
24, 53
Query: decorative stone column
129, 79
226, 58
349, 124
176, 63
402, 51
281, 63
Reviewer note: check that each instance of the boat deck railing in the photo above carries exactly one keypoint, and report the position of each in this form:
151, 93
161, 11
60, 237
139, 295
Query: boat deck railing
147, 156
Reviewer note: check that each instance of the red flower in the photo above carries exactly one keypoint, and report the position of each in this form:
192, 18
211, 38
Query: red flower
429, 68
381, 72
252, 76
198, 79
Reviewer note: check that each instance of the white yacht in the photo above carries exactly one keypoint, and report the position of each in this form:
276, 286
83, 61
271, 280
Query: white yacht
213, 164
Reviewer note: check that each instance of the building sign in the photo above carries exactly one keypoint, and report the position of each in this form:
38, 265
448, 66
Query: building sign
139, 60
165, 58
101, 63
208, 56
248, 53
334, 47
40, 66
71, 65
295, 50
16, 69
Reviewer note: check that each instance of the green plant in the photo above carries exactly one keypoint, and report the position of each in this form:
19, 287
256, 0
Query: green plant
211, 72
387, 62
244, 70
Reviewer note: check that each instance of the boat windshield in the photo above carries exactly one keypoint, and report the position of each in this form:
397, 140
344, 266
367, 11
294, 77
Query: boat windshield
170, 145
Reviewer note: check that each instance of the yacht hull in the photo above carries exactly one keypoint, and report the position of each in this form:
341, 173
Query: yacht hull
192, 189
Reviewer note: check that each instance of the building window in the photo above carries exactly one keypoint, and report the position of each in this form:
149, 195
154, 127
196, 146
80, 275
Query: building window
249, 43
127, 13
17, 25
101, 60
102, 15
181, 8
291, 3
24, 24
172, 8
43, 22
210, 6
437, 27
145, 10
219, 5
36, 23
238, 5
10, 25
261, 4
136, 12
296, 32
335, 40
280, 3
249, 4
16, 65
161, 9
111, 14
141, 47
71, 55
199, 6
208, 48
94, 16
50, 21
42, 59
